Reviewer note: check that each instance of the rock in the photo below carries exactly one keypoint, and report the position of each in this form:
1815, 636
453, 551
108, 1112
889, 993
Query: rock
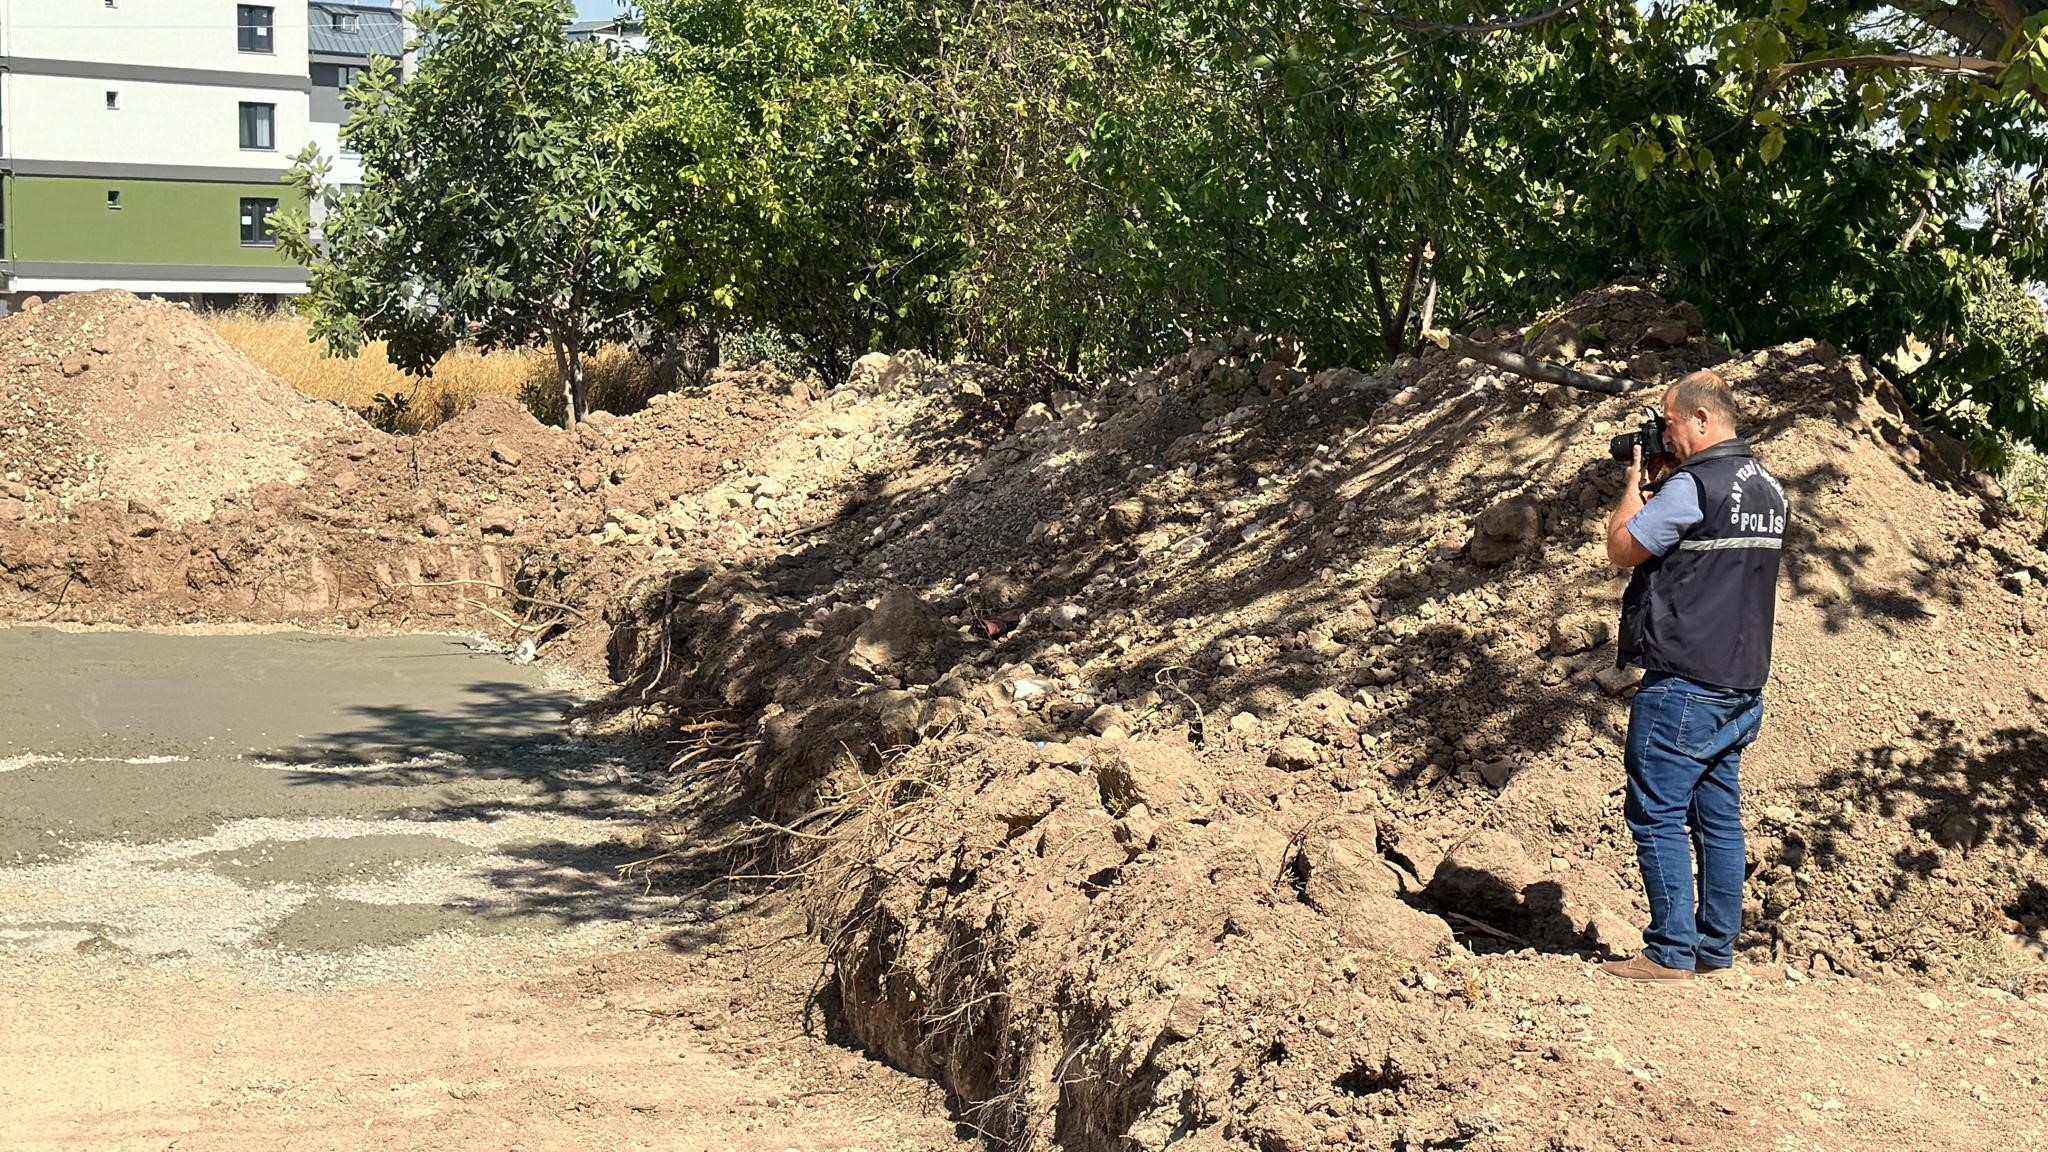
1484, 876
498, 521
1615, 681
1560, 341
1496, 772
898, 630
1294, 754
1669, 332
1579, 632
1781, 814
1505, 531
1028, 689
1123, 520
588, 480
1340, 865
772, 489
436, 525
1647, 367
1036, 417
1104, 718
1244, 721
1614, 935
505, 454
1958, 830
1278, 379
1067, 615
75, 366
869, 370
1184, 1019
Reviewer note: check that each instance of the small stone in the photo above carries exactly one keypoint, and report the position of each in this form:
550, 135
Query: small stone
498, 522
1244, 722
1780, 814
1294, 754
436, 525
1123, 520
1615, 681
1496, 772
1036, 417
1022, 690
1068, 615
505, 454
1670, 332
75, 366
1929, 1001
1104, 718
588, 480
772, 489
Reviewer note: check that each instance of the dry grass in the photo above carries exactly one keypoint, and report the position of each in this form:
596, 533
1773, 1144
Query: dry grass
621, 381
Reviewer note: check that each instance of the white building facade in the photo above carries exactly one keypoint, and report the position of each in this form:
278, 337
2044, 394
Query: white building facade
143, 143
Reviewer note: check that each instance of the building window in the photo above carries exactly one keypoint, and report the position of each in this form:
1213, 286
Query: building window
347, 22
113, 198
252, 27
337, 76
256, 231
113, 101
259, 126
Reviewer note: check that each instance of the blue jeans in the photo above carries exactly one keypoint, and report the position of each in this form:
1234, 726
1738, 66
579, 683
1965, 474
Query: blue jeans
1684, 759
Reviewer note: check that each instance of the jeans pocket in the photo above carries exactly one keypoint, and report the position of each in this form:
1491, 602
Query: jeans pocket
1707, 727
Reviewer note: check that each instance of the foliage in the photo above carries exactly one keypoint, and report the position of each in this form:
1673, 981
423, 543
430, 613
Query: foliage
1069, 187
501, 205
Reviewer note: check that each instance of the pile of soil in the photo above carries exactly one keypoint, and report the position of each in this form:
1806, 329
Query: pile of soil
157, 476
1167, 766
1226, 755
105, 394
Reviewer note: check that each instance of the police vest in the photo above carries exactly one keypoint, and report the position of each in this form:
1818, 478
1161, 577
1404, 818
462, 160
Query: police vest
1705, 610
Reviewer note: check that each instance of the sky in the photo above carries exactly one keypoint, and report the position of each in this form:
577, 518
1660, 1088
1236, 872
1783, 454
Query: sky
597, 9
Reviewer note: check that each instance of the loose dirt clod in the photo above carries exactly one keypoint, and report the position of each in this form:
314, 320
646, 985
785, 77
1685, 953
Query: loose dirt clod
1225, 758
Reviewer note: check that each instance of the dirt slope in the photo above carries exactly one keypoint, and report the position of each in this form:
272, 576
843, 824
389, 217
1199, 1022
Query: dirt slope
1148, 762
1229, 758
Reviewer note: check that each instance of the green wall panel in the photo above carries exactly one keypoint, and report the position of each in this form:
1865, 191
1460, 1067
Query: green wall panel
66, 220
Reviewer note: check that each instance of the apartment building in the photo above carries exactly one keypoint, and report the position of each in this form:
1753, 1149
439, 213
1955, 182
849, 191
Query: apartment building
142, 143
342, 39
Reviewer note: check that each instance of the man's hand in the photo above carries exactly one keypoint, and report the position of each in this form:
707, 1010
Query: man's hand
1623, 549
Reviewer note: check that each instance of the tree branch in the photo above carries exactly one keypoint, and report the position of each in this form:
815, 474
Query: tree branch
1491, 25
1529, 366
1973, 64
1977, 34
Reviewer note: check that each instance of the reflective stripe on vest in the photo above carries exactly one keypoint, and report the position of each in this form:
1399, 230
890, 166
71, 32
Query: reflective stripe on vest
1731, 542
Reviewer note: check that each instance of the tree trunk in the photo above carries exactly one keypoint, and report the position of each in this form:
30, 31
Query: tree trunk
1397, 336
1429, 300
579, 386
562, 378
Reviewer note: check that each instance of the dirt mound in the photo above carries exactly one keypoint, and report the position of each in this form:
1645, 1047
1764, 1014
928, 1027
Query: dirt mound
106, 394
1180, 763
1226, 756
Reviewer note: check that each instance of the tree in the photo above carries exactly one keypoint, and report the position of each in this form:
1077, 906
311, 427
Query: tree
501, 203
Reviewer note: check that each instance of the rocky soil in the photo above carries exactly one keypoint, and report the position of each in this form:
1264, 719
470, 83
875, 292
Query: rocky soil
1230, 756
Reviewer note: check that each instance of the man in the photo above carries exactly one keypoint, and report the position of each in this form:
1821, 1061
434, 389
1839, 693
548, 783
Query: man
1697, 617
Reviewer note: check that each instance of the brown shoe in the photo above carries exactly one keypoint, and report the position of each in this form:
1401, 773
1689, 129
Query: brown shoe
1640, 967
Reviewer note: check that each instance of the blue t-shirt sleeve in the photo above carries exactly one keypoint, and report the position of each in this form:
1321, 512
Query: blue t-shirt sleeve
1673, 511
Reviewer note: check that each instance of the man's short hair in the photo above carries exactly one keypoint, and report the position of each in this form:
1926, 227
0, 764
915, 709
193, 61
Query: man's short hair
1705, 389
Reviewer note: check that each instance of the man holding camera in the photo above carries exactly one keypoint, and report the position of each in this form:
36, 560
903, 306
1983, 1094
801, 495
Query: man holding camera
1704, 538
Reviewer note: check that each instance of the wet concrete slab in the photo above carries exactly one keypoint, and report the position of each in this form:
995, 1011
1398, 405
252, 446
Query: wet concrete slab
284, 696
263, 797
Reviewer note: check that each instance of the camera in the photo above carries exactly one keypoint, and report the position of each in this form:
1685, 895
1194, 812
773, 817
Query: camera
1650, 436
